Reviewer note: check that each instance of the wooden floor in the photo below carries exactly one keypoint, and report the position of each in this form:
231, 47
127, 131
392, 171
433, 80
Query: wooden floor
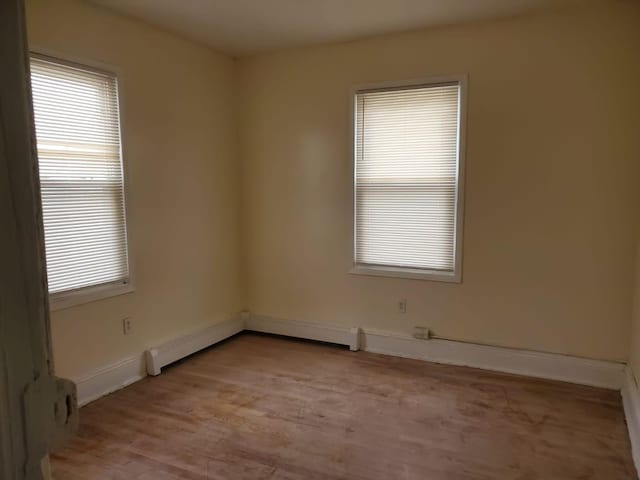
259, 407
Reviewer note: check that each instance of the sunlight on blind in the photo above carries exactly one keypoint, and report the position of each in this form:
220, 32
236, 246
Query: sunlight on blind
78, 137
406, 177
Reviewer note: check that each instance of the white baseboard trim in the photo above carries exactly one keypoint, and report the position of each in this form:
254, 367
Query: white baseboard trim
109, 379
522, 362
169, 352
551, 366
309, 331
118, 375
631, 402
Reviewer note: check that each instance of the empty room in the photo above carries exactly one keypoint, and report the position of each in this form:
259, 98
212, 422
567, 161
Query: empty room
320, 239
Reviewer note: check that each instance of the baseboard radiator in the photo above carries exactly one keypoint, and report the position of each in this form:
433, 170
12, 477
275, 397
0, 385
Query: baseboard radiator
174, 350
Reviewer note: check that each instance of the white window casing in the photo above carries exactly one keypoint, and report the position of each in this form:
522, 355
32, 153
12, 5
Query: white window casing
77, 120
409, 179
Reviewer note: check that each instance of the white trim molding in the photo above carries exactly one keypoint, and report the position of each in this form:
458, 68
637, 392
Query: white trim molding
68, 299
398, 271
349, 336
551, 366
631, 403
173, 350
403, 272
115, 376
106, 380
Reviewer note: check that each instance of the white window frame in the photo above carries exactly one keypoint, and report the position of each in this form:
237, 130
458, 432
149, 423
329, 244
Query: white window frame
407, 272
71, 298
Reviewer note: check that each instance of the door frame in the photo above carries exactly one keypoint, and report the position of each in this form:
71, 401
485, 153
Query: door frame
29, 393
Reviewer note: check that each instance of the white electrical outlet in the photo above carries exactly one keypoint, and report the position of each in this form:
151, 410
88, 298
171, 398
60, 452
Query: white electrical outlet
402, 306
127, 325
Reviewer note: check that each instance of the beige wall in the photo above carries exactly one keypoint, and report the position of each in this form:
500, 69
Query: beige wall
552, 168
179, 139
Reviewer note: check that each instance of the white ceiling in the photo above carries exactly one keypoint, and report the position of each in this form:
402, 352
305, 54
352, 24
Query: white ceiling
245, 27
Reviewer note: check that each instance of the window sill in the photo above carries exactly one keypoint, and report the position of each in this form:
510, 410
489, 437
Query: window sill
410, 273
62, 300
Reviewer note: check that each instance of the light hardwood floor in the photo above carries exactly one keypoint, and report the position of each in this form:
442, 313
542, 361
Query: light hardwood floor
260, 407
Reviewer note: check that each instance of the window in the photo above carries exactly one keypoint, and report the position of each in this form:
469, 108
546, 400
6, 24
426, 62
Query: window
81, 179
408, 180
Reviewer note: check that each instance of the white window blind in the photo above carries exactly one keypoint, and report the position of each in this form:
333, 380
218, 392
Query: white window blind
81, 178
406, 153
